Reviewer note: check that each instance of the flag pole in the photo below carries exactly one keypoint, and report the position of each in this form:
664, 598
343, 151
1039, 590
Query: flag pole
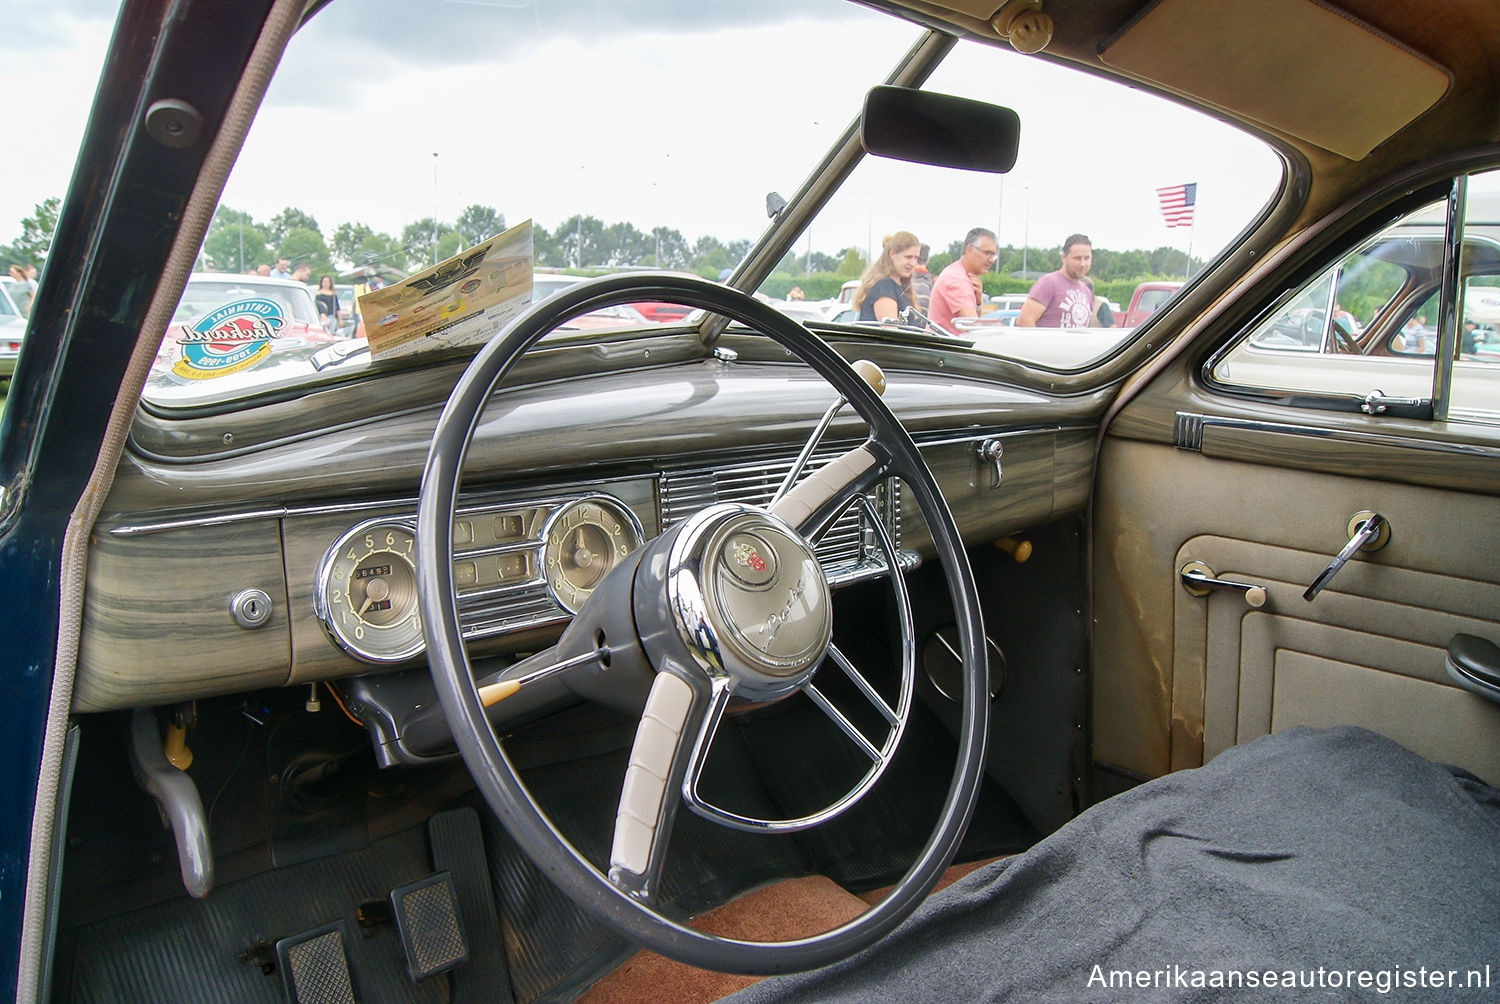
1187, 268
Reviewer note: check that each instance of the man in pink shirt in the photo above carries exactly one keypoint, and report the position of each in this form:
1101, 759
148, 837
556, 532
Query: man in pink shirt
956, 291
1062, 299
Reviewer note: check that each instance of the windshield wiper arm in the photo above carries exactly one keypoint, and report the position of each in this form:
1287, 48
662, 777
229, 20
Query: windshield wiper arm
339, 352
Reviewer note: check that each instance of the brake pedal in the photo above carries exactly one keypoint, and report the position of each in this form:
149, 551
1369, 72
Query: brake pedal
431, 929
315, 966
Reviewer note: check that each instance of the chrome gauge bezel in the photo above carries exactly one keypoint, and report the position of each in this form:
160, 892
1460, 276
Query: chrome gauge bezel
372, 642
624, 538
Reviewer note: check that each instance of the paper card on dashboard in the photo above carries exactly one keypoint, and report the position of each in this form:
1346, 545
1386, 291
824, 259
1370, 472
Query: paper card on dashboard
461, 301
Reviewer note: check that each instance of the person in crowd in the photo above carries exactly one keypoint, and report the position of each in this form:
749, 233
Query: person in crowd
302, 272
957, 291
1468, 339
24, 291
884, 291
328, 304
281, 269
264, 270
1415, 336
1062, 299
795, 293
921, 279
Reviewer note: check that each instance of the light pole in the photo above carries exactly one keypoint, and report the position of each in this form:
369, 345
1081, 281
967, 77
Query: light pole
1026, 232
434, 207
999, 222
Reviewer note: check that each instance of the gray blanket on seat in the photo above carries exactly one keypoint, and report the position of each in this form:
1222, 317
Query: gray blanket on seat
1337, 860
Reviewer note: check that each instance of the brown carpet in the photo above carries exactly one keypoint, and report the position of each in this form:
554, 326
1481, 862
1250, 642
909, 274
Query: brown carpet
794, 908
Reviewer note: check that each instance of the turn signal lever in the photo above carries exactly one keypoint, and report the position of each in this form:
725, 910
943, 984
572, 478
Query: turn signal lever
870, 374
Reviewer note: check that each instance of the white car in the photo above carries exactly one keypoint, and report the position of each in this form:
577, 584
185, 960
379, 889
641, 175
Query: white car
12, 327
545, 285
1366, 329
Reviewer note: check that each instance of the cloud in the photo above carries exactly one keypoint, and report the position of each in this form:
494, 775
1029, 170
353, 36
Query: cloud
469, 31
374, 41
35, 31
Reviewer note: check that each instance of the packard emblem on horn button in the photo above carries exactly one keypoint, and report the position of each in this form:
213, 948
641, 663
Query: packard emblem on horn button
746, 554
751, 559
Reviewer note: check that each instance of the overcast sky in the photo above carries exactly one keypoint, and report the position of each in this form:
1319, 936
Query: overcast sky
690, 131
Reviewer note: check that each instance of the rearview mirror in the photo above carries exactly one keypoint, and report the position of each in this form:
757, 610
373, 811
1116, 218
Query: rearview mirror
942, 130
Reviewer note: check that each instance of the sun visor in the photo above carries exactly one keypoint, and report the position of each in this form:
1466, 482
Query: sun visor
1296, 66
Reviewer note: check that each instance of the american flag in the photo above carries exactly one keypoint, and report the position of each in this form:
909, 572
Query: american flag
1177, 204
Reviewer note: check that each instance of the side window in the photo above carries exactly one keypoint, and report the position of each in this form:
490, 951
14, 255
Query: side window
1476, 368
1369, 323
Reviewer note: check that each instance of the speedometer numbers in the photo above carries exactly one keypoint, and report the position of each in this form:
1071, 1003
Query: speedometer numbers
503, 555
584, 540
367, 595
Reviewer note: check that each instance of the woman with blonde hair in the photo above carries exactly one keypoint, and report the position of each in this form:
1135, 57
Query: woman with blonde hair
885, 289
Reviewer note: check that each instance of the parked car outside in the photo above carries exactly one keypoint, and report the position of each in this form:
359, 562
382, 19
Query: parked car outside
14, 288
12, 328
547, 285
1385, 346
350, 315
1146, 299
230, 330
661, 313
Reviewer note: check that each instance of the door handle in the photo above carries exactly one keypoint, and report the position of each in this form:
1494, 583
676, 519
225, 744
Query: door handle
1198, 579
1370, 530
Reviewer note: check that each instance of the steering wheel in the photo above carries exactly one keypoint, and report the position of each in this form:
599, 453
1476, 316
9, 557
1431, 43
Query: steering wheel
1343, 336
729, 603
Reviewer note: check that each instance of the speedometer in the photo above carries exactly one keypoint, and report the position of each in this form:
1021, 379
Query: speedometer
367, 592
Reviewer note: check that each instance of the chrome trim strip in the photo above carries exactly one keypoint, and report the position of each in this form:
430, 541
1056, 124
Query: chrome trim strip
1449, 290
478, 596
509, 499
1347, 436
520, 500
496, 549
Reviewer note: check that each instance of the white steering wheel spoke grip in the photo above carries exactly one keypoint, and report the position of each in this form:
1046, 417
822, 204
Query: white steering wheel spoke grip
813, 502
666, 740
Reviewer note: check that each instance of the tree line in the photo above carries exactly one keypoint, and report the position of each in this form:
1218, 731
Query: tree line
236, 242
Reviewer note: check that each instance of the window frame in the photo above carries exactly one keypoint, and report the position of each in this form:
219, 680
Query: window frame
1328, 266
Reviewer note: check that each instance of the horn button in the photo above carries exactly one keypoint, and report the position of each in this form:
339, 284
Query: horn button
750, 598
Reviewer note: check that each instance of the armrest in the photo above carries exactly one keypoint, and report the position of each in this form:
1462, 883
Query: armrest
1474, 664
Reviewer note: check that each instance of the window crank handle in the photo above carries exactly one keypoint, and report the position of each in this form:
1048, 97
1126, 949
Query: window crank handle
1367, 532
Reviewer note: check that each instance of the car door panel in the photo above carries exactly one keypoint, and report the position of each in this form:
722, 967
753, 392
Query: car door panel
1179, 678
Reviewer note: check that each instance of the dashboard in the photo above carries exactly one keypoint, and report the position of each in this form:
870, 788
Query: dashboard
292, 562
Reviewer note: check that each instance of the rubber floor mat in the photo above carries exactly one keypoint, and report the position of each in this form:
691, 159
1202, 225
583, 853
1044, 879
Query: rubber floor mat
190, 950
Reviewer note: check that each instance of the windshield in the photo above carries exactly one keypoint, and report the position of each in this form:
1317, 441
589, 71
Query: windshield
592, 139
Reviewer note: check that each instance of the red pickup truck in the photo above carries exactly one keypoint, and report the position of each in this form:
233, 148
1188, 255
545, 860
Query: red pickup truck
1148, 296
